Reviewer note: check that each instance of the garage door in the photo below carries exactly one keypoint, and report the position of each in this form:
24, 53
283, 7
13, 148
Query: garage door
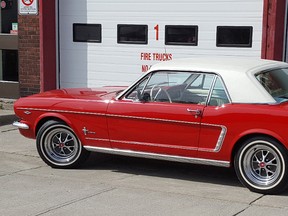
112, 42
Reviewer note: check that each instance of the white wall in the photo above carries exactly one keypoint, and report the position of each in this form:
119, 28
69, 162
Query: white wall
109, 63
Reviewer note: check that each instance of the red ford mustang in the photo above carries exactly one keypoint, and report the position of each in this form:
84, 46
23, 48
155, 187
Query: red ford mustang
221, 111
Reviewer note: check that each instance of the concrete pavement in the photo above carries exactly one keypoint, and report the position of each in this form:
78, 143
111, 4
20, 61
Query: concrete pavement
112, 185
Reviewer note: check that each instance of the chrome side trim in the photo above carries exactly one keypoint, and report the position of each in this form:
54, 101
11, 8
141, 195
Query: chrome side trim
21, 125
217, 148
111, 115
63, 111
145, 144
219, 141
153, 119
159, 156
97, 139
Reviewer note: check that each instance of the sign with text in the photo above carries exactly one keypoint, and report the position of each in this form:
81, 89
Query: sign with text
145, 56
28, 7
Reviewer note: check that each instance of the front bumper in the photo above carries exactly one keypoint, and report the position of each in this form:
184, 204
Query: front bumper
21, 125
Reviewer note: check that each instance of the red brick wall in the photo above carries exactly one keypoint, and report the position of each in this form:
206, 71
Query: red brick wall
29, 54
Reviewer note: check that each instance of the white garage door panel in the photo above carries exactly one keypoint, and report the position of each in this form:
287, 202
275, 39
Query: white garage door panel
108, 63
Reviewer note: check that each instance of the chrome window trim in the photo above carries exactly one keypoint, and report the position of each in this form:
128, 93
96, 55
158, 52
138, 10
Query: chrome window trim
181, 159
224, 86
127, 90
211, 90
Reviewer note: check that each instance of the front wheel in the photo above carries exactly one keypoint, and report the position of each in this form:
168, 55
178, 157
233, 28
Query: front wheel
261, 165
58, 146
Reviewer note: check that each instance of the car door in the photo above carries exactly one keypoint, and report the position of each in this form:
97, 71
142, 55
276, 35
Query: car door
214, 120
161, 114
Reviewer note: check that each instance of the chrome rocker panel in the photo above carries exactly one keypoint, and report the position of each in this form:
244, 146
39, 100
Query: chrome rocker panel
159, 156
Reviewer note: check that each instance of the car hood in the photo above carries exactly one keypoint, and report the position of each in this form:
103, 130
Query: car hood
104, 93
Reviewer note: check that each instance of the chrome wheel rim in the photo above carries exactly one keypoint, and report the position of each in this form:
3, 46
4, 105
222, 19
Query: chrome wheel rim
61, 146
262, 166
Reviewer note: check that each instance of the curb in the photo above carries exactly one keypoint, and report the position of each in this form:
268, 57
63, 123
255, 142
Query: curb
6, 104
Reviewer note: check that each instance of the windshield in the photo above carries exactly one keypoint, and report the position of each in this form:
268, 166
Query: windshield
276, 83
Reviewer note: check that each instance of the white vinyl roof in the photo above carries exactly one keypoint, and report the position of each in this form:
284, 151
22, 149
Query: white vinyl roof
237, 73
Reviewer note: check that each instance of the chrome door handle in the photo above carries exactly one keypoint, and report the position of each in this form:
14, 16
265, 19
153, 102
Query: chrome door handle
196, 112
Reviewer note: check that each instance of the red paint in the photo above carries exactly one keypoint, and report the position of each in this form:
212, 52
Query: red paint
273, 29
157, 127
156, 28
27, 2
47, 45
262, 165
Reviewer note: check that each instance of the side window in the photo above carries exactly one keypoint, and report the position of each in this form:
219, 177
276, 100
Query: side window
198, 87
173, 87
203, 81
135, 93
155, 86
275, 84
219, 95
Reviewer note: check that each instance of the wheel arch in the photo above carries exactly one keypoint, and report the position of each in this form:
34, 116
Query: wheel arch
245, 137
50, 117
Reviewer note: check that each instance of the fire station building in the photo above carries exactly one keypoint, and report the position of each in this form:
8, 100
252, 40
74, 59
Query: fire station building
49, 44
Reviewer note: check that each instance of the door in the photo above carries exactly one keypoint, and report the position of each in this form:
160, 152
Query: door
214, 120
100, 59
161, 114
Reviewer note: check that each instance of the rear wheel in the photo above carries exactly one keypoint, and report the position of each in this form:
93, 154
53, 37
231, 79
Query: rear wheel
261, 165
59, 147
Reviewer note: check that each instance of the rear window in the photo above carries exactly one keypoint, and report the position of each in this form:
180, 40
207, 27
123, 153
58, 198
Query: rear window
275, 82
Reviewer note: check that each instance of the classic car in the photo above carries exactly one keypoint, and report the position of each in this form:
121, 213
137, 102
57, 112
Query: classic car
228, 112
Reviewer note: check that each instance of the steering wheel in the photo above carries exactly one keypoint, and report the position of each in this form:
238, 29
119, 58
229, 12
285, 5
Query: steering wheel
158, 93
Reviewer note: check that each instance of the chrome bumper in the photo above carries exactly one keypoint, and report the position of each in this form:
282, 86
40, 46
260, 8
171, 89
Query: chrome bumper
20, 125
